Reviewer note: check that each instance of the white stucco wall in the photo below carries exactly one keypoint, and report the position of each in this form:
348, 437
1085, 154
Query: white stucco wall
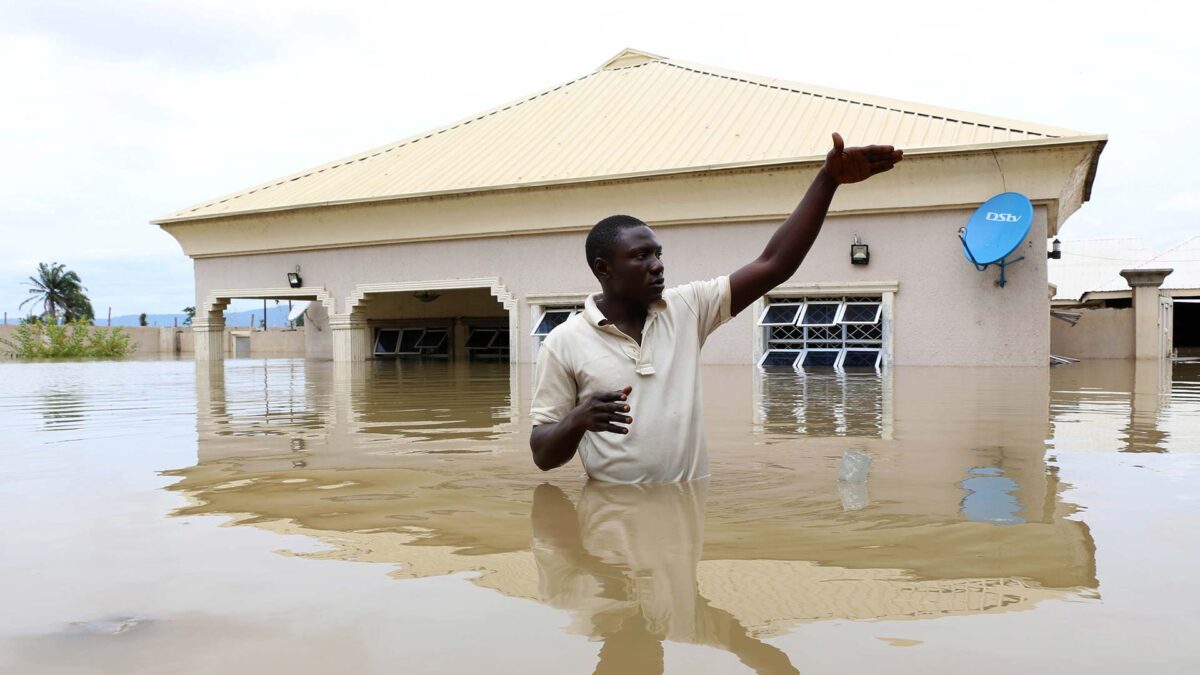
1099, 334
946, 312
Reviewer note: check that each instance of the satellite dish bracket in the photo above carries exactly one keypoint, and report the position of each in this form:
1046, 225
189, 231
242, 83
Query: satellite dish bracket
1002, 264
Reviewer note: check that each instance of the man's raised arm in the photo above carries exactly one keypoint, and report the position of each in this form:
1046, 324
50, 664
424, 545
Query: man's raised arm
791, 242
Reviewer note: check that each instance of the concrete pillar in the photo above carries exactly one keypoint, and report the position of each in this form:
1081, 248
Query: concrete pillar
1147, 326
459, 335
210, 338
1151, 391
350, 338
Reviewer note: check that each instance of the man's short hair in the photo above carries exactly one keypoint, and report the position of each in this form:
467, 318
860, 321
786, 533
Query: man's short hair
602, 240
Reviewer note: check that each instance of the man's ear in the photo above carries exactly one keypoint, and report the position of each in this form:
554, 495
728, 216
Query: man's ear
600, 268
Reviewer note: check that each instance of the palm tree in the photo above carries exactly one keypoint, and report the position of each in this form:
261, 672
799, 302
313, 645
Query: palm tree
58, 288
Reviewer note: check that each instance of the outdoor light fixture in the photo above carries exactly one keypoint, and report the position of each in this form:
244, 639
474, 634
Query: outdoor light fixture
426, 296
860, 253
294, 279
1055, 250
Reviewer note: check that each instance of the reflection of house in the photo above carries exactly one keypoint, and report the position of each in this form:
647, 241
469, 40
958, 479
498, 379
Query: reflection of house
336, 458
1088, 282
455, 243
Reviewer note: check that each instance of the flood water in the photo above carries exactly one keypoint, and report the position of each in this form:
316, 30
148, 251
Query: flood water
307, 517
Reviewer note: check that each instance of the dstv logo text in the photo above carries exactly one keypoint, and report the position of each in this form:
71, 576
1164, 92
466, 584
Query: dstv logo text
1002, 217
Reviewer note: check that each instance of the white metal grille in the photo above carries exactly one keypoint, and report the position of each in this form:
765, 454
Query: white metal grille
839, 332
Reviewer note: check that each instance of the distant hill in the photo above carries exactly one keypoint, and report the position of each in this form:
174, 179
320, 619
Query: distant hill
276, 318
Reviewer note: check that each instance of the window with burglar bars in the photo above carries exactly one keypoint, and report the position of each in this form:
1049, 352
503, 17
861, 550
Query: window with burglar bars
552, 317
843, 332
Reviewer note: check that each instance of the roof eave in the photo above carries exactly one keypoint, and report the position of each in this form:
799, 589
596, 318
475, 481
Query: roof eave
1095, 139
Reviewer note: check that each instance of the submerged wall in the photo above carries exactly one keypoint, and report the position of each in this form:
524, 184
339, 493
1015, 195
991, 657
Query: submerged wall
157, 341
145, 339
1100, 334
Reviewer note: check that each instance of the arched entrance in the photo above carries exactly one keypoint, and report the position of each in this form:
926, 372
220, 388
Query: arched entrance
212, 342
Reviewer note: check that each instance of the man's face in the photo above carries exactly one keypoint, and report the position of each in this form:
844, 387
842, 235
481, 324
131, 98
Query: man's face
636, 269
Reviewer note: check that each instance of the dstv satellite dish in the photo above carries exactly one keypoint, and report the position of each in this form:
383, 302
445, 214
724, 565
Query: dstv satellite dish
996, 230
297, 310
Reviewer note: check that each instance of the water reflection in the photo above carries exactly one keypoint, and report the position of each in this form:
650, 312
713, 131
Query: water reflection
426, 470
624, 565
398, 406
962, 513
1126, 406
822, 403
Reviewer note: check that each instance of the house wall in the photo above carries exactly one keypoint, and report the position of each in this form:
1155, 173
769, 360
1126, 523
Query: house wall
946, 312
1100, 334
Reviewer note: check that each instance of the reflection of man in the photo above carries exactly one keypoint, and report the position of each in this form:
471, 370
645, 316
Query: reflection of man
624, 564
633, 353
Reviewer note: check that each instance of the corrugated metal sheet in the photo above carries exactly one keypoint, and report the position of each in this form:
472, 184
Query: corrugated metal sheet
1095, 265
1184, 258
1090, 264
637, 114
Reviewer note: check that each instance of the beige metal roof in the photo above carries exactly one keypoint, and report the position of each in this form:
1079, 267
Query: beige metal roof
638, 114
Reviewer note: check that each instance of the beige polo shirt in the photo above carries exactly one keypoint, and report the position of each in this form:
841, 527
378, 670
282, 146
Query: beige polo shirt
586, 355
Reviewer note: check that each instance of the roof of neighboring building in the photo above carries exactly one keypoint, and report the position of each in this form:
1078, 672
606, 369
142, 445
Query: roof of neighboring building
1094, 266
638, 114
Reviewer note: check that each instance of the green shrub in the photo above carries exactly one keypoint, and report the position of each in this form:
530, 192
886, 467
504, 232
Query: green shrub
75, 339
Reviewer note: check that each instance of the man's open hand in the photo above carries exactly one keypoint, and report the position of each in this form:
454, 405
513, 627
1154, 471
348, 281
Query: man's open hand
602, 411
851, 165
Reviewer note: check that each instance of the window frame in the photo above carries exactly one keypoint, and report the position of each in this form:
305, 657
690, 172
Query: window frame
767, 308
799, 365
430, 331
795, 352
858, 303
878, 357
473, 330
837, 312
379, 336
416, 351
573, 310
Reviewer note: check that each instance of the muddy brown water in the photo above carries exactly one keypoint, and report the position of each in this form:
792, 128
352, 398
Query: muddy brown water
301, 516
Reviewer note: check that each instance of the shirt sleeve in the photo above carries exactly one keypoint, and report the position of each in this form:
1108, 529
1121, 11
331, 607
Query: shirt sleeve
554, 389
711, 301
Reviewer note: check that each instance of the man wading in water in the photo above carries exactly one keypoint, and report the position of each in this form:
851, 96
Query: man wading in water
632, 356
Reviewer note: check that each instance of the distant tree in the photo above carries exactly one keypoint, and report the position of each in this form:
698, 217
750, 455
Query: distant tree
58, 289
78, 309
191, 314
142, 319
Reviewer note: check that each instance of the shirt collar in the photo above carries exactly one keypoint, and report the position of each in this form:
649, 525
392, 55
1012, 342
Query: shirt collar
595, 317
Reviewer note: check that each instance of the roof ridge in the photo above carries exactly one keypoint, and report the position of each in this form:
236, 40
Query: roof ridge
862, 99
629, 57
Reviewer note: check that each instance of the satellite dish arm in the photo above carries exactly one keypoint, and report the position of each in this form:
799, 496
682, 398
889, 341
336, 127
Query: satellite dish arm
969, 253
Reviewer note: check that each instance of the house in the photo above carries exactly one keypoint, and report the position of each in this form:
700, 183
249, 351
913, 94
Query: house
466, 242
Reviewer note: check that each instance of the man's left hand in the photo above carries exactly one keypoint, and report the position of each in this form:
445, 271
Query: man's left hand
851, 165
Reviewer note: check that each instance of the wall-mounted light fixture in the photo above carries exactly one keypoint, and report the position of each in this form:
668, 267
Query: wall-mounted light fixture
860, 253
426, 296
1055, 252
294, 279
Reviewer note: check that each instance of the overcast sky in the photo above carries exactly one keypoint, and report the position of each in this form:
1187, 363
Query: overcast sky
117, 112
